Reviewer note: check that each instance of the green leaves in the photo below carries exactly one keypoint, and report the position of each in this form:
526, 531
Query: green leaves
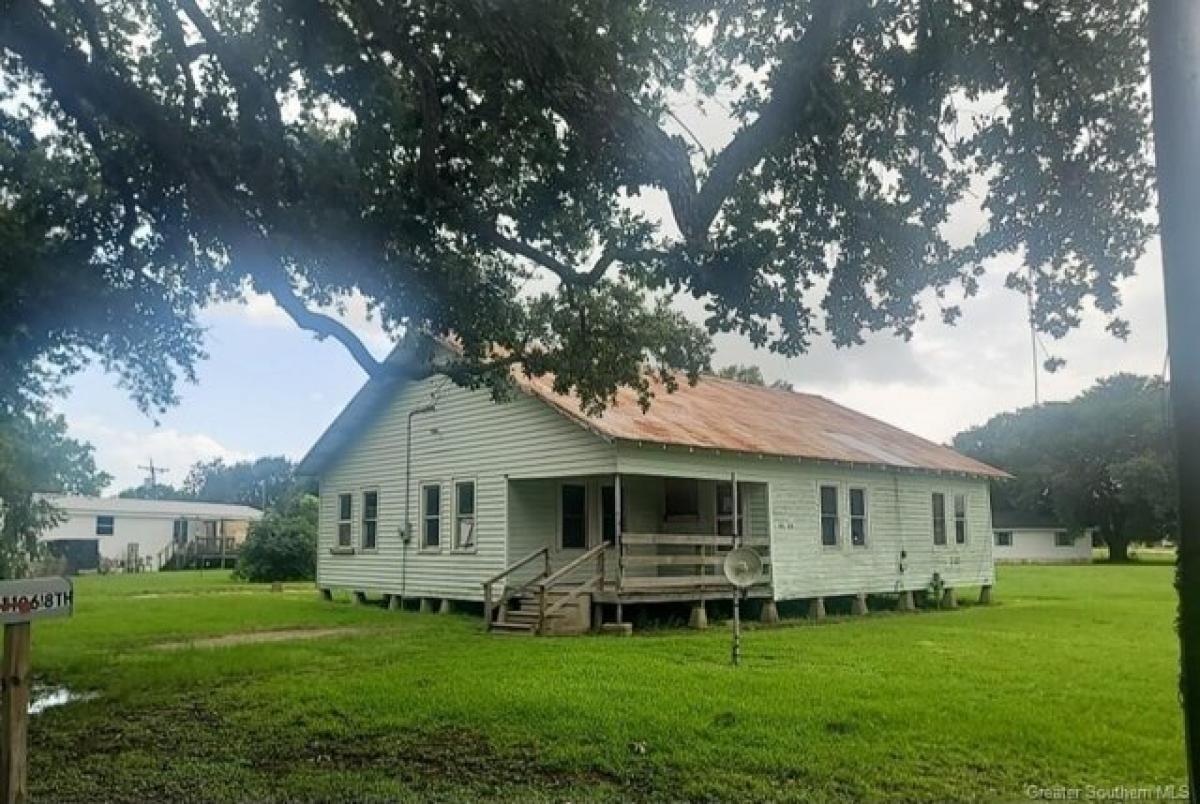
1101, 460
282, 546
514, 175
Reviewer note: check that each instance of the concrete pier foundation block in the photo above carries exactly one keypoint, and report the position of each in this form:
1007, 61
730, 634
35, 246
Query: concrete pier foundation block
446, 606
326, 594
769, 614
949, 599
985, 594
426, 606
393, 602
360, 598
699, 618
905, 602
860, 605
816, 608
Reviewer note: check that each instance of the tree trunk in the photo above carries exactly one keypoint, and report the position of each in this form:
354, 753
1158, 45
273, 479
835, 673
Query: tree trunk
1175, 87
1118, 548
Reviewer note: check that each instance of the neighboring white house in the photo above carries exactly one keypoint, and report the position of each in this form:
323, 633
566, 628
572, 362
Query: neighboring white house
139, 535
837, 503
1025, 537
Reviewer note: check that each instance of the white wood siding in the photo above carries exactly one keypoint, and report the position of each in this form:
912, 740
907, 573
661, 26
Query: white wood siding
468, 437
899, 506
506, 448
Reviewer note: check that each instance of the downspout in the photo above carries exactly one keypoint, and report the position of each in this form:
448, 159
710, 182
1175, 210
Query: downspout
406, 529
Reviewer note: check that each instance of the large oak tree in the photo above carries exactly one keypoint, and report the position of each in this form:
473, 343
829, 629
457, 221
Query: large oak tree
434, 156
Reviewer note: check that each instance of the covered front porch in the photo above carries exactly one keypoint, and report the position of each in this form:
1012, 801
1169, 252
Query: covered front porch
580, 549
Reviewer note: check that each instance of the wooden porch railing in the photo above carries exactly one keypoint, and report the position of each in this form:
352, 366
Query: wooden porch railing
596, 582
195, 550
543, 552
699, 569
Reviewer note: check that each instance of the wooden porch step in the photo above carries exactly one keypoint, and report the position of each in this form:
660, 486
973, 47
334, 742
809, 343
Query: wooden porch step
510, 627
522, 616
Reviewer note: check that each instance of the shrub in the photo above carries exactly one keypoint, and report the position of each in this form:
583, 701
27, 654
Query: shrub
283, 545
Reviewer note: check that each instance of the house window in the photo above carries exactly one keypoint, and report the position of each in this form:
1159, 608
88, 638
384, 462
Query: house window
1063, 539
829, 516
179, 531
370, 519
960, 519
939, 518
682, 498
464, 515
104, 525
345, 504
573, 506
1004, 538
431, 516
858, 517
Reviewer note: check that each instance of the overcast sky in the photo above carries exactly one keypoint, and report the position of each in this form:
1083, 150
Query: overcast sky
269, 388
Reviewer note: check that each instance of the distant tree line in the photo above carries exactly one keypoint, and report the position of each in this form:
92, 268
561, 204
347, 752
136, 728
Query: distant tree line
751, 375
1101, 460
263, 483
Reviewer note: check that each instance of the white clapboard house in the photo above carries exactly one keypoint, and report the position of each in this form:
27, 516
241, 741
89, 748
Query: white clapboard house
554, 518
115, 533
1032, 538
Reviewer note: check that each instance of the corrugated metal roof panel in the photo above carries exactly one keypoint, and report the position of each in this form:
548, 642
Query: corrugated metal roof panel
727, 415
131, 506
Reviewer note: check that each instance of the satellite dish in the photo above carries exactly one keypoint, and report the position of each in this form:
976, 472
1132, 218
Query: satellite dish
743, 567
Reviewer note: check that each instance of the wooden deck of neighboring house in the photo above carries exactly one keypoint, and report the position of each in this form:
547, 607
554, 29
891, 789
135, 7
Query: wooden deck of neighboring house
202, 553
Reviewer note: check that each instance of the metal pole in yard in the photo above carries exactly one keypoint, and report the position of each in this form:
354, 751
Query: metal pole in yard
737, 592
1175, 93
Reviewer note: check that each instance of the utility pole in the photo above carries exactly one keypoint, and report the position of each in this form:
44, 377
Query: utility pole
1033, 343
153, 472
1175, 93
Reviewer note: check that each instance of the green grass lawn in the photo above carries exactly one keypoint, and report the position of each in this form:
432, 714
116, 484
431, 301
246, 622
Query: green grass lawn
1069, 679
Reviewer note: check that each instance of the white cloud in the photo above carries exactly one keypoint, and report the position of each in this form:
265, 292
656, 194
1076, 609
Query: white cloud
260, 310
120, 451
257, 309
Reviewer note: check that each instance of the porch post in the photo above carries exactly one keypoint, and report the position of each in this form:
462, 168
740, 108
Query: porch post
617, 538
737, 526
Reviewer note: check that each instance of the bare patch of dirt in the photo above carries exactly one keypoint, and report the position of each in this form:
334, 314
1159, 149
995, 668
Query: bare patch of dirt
257, 637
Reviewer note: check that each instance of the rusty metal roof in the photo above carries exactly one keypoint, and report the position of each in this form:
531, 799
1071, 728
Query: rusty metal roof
727, 415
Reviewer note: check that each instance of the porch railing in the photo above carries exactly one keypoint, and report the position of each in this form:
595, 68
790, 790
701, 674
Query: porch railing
678, 562
541, 552
594, 583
